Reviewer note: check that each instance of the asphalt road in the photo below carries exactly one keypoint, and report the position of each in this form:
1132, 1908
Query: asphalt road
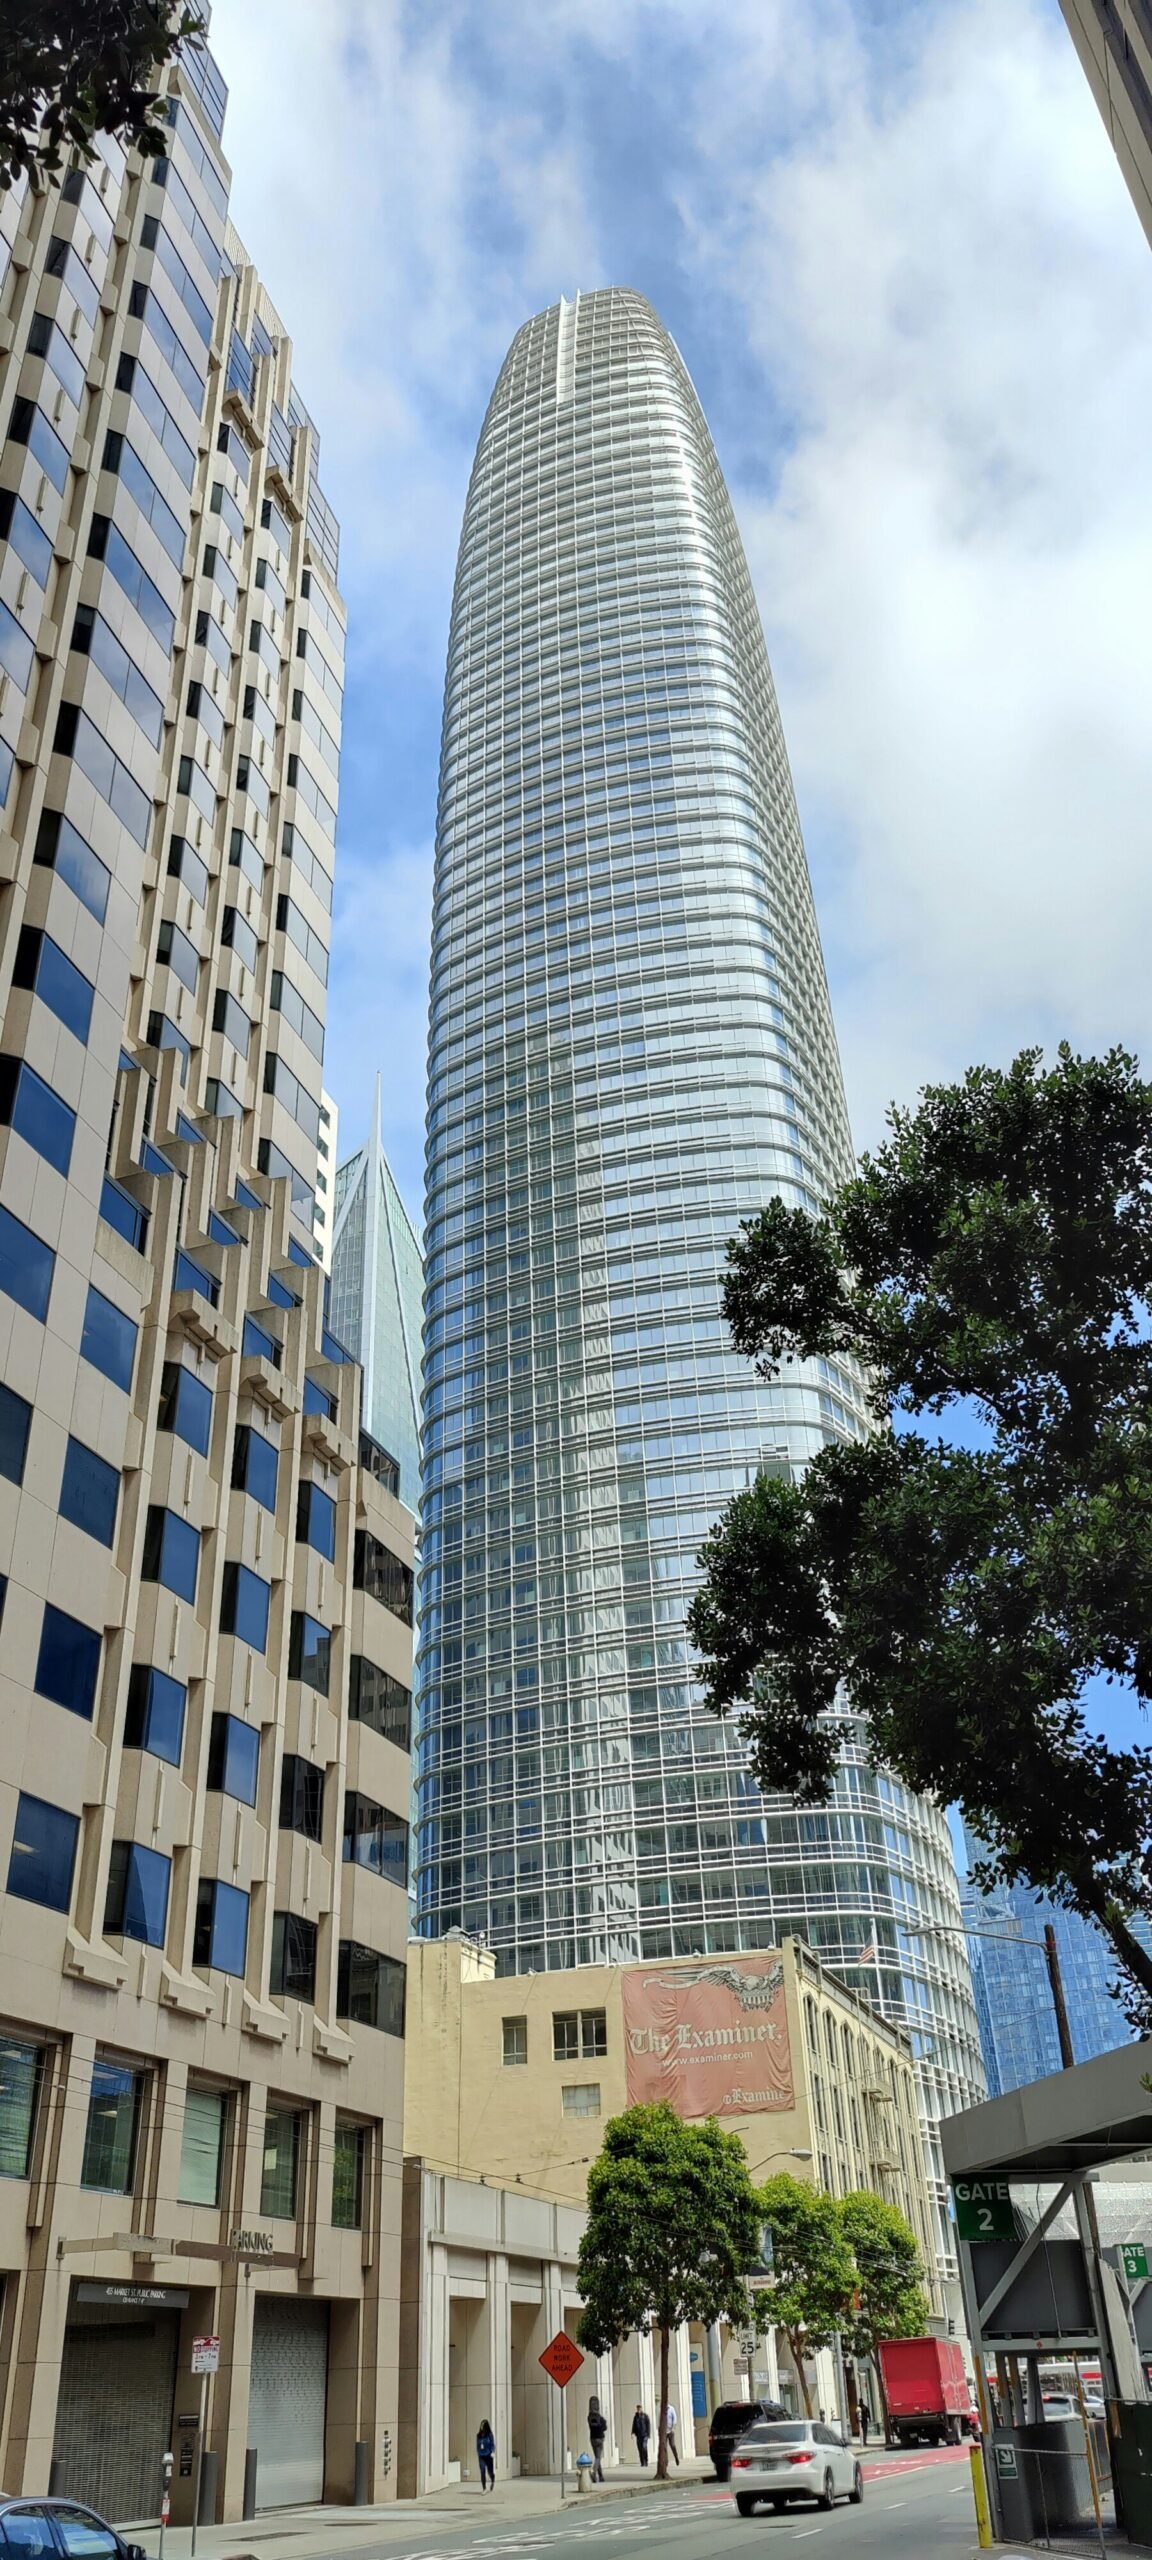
906, 2514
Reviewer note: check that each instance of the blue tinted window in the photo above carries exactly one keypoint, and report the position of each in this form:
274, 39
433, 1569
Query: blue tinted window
107, 543
7, 768
26, 1265
310, 1652
45, 339
171, 1552
121, 457
233, 1758
244, 1606
17, 651
89, 1492
29, 1106
318, 1400
63, 851
192, 1275
261, 1344
254, 1466
43, 1854
30, 426
15, 1416
68, 1662
43, 966
185, 1406
137, 1905
78, 736
95, 639
155, 1717
221, 1934
108, 1339
121, 1211
28, 539
316, 1520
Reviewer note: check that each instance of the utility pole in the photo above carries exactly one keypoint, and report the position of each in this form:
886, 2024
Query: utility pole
1059, 2004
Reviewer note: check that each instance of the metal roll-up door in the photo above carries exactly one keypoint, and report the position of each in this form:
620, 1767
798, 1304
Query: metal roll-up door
288, 2399
114, 2410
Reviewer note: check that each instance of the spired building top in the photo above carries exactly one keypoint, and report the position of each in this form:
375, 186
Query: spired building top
631, 1048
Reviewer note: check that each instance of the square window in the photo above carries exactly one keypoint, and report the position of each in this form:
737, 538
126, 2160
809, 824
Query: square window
15, 1417
348, 2176
514, 2032
254, 1466
68, 1662
26, 1266
155, 1715
90, 1492
137, 1905
281, 2163
43, 1854
244, 1603
202, 2145
21, 2073
293, 1969
233, 1758
220, 1939
185, 1406
171, 1552
369, 1988
110, 2134
582, 2100
108, 1340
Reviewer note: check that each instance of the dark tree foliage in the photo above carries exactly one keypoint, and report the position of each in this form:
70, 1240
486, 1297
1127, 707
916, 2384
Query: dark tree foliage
991, 1263
70, 69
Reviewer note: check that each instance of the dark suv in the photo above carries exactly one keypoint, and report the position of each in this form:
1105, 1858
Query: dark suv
731, 2420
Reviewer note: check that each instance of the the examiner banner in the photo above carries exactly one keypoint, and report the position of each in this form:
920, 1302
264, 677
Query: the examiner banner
710, 2038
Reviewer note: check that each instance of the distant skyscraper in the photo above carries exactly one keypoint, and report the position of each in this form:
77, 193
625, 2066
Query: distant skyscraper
1013, 1994
631, 1048
324, 1205
375, 1309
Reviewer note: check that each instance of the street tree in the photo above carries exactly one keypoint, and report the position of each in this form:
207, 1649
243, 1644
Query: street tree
813, 2270
888, 2299
70, 69
988, 1272
673, 2229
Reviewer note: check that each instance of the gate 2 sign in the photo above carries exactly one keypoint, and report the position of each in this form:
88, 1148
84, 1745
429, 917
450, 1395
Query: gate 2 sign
983, 2208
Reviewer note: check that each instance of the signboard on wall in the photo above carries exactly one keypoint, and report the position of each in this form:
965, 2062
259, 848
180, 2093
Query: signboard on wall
711, 2039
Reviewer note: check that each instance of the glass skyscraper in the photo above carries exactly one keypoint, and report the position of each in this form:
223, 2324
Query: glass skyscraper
375, 1304
1013, 1994
631, 1048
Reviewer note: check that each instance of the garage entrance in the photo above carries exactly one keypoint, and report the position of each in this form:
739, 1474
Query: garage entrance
114, 2410
288, 2400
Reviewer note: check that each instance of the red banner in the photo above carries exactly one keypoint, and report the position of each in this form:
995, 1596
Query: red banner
711, 2039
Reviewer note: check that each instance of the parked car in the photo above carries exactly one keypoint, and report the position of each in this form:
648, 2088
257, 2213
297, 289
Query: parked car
731, 2420
1059, 2404
59, 2529
781, 2459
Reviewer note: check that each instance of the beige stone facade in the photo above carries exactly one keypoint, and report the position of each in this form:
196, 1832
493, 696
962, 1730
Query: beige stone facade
206, 1577
1114, 41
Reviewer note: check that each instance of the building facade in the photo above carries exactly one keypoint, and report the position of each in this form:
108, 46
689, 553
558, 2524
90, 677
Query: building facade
377, 1293
1018, 2032
1114, 41
207, 1598
323, 1206
510, 2083
631, 1048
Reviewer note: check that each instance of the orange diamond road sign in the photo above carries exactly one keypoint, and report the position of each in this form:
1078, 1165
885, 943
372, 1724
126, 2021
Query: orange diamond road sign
562, 2359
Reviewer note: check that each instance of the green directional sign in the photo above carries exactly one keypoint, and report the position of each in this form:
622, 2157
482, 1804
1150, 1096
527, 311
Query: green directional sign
1006, 2462
1134, 2260
983, 2208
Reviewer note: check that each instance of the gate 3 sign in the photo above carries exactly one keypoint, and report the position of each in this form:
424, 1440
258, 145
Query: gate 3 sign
983, 2208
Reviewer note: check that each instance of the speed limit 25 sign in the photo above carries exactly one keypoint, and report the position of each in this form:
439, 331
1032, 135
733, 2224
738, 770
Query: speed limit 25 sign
983, 2208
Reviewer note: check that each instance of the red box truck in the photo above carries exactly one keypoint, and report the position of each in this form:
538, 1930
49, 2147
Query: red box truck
926, 2389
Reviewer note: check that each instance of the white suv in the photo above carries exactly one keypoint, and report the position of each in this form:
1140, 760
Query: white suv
784, 2458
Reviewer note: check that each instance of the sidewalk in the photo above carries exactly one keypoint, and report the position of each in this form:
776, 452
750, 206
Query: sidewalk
305, 2533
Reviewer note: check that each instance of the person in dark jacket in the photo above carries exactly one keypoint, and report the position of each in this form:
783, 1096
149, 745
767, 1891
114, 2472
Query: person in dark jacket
642, 2430
486, 2449
865, 2422
597, 2432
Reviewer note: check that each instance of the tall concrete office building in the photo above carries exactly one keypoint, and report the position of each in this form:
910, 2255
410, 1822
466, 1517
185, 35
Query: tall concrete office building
1114, 41
206, 1588
631, 1048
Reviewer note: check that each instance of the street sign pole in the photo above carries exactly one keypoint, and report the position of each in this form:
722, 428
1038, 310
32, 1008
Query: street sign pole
205, 2360
562, 2361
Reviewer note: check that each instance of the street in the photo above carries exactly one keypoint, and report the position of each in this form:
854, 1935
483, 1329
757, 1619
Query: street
908, 2510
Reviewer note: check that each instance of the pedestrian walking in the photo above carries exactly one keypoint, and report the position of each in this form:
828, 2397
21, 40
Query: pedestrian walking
597, 2432
865, 2421
670, 2433
486, 2449
642, 2430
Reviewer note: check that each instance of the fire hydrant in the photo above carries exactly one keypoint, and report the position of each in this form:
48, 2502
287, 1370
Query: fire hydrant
583, 2467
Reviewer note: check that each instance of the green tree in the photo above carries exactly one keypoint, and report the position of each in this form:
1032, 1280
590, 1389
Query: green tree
70, 69
991, 1264
813, 2270
673, 2229
889, 2299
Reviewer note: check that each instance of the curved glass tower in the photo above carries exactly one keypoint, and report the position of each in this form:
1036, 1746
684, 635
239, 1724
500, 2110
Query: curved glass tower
631, 1048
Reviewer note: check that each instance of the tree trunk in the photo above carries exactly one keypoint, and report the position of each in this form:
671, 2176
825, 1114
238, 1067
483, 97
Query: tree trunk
662, 2419
796, 2343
